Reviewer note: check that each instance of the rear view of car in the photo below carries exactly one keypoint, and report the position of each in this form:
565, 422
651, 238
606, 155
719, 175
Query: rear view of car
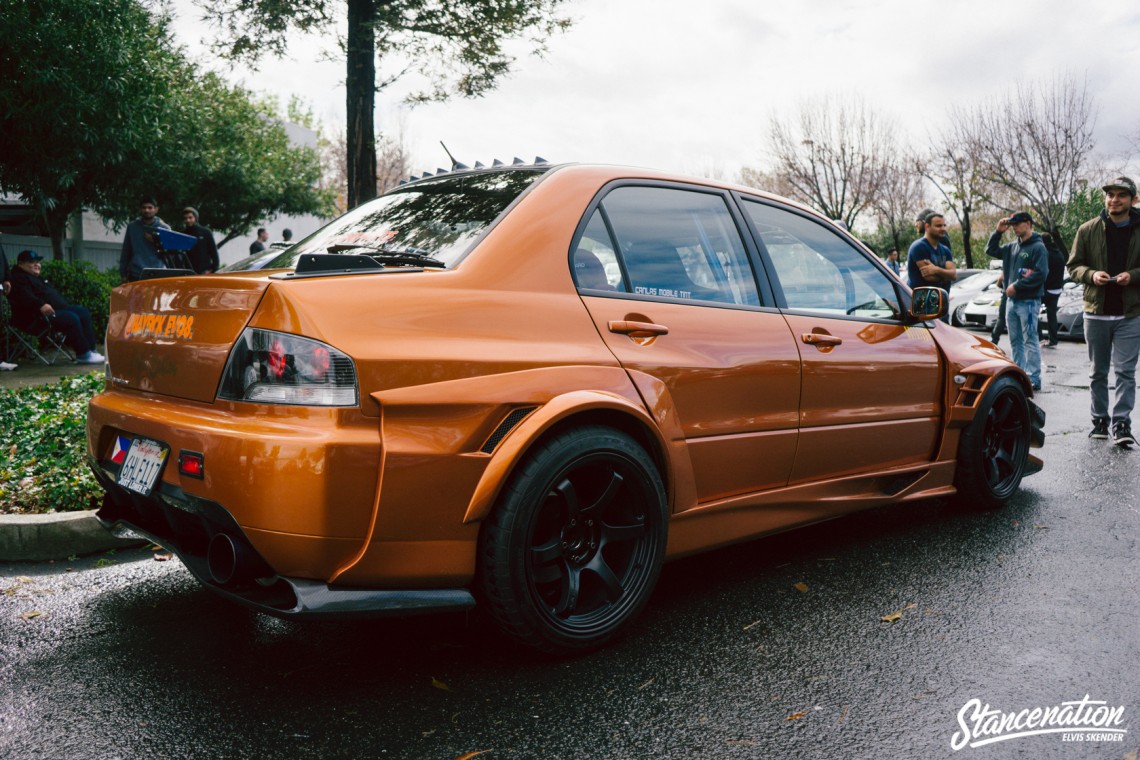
527, 387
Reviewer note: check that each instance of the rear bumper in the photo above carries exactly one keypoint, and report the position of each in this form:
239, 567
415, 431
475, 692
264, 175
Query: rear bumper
188, 525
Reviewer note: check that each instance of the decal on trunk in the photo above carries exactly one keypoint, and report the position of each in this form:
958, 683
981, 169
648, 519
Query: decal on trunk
179, 326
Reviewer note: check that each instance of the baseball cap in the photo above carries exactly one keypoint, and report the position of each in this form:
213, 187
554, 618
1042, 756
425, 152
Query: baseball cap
1019, 217
1121, 183
25, 257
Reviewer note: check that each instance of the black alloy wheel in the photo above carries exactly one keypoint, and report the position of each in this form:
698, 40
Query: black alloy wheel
575, 546
994, 448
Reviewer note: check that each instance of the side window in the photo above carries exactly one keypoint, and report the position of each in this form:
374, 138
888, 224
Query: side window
679, 244
595, 262
820, 271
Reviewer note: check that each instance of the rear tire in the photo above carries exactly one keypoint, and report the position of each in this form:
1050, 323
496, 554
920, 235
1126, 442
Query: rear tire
574, 547
994, 448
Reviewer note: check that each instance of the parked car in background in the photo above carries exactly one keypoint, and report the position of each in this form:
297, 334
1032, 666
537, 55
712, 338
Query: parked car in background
969, 284
1070, 313
530, 386
981, 312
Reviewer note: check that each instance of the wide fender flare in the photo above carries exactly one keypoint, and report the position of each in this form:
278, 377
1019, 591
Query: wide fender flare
963, 397
670, 448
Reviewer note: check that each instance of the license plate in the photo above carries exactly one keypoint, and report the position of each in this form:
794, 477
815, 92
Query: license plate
142, 465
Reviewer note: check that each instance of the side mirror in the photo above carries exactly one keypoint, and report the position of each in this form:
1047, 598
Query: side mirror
927, 303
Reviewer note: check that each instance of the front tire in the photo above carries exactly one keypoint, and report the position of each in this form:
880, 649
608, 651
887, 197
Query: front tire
959, 317
573, 549
994, 448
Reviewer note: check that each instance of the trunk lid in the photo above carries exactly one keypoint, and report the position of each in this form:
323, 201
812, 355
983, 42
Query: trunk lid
172, 336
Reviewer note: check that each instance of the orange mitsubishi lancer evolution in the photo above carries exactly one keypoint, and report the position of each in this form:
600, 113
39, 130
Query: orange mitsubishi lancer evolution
531, 385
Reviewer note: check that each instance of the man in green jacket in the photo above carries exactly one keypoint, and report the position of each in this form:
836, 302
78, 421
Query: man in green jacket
1106, 258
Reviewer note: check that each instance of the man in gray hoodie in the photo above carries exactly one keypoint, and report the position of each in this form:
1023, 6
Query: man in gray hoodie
1024, 266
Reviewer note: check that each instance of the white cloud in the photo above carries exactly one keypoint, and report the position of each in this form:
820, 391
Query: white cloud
690, 86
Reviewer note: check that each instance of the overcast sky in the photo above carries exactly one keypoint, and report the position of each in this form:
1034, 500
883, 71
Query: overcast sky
691, 85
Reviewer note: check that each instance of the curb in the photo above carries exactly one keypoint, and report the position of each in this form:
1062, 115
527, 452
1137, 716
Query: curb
56, 536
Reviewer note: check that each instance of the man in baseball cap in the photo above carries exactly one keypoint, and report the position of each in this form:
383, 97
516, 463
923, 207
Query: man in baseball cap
37, 305
1106, 258
1024, 267
1121, 183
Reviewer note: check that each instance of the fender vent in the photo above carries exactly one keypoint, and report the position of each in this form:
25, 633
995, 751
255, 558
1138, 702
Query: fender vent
507, 425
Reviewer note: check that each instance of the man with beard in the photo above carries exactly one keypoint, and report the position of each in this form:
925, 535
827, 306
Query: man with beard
1106, 258
141, 245
204, 255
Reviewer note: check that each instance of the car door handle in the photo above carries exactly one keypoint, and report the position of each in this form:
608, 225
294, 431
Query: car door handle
821, 339
637, 329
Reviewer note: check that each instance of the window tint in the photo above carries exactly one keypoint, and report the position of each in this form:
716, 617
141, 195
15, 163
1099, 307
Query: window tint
820, 271
441, 217
595, 262
679, 244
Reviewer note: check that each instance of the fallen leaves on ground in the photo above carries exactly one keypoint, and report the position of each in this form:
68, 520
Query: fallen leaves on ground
439, 684
31, 615
469, 755
897, 615
801, 587
797, 716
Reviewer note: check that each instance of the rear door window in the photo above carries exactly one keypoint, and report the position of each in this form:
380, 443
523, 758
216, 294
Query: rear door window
667, 243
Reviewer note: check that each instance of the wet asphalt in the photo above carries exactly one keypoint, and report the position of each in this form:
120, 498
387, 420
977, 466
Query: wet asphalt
124, 656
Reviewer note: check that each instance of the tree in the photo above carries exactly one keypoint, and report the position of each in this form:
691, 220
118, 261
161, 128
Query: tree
236, 164
85, 102
1036, 141
117, 111
956, 169
458, 46
901, 192
835, 157
393, 163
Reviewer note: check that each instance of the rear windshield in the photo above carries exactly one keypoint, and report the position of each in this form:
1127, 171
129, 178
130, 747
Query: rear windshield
439, 218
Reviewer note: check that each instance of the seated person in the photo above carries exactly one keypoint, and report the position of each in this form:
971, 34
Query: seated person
7, 285
37, 305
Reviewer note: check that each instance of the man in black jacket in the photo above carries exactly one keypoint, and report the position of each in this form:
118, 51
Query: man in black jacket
6, 283
1054, 284
36, 305
204, 255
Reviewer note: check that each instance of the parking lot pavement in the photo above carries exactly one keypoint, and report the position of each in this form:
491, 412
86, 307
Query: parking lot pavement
41, 374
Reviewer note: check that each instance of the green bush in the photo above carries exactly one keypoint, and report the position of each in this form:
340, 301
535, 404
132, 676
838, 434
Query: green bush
82, 284
43, 435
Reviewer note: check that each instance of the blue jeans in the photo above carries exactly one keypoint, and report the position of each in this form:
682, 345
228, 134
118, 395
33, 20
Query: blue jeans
1021, 320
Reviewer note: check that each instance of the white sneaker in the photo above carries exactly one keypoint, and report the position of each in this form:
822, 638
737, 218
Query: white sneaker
91, 357
6, 367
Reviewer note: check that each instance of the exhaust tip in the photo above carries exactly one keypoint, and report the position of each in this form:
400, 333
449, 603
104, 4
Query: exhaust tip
222, 558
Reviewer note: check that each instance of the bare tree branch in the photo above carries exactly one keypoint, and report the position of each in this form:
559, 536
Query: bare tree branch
835, 157
1037, 141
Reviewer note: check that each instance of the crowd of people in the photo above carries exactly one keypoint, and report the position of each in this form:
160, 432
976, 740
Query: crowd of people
143, 247
1105, 259
37, 307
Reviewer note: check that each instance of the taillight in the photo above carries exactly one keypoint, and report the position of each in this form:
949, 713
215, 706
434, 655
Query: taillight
276, 368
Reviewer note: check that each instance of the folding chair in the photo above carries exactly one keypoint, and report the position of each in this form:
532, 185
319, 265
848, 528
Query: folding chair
45, 346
